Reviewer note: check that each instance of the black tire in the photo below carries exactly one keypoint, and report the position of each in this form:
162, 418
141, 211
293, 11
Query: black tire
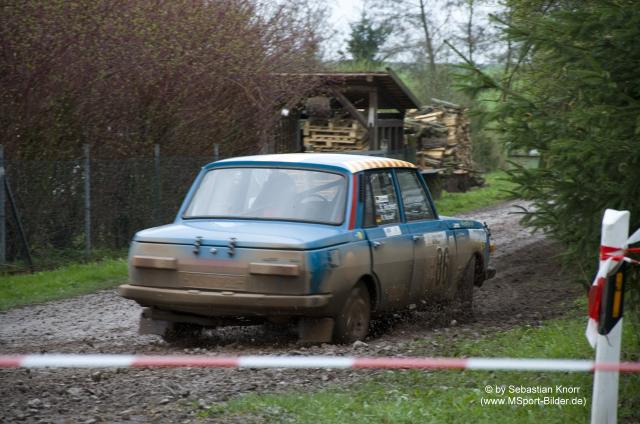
353, 321
180, 331
465, 285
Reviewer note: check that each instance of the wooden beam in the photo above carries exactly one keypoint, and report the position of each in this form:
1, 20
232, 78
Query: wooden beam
349, 106
372, 120
359, 88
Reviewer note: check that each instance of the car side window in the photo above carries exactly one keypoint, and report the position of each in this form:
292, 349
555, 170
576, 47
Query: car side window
414, 197
381, 204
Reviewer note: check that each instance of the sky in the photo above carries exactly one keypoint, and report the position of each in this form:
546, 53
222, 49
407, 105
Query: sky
344, 12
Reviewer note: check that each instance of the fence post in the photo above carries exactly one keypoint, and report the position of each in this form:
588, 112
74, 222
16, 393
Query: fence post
3, 217
216, 152
604, 405
156, 185
87, 199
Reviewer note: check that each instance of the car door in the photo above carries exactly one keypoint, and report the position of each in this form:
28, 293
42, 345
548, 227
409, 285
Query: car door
433, 243
391, 245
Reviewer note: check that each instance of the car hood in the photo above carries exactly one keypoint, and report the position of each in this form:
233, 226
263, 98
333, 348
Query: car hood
264, 234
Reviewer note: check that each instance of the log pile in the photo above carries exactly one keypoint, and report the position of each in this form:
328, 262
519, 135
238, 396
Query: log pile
440, 133
333, 135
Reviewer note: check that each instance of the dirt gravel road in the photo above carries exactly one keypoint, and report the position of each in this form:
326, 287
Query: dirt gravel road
527, 289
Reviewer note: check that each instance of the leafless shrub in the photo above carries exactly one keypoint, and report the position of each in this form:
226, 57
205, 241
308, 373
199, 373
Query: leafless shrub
123, 75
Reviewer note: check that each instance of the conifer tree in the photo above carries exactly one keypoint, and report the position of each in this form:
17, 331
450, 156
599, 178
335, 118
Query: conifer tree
367, 39
573, 95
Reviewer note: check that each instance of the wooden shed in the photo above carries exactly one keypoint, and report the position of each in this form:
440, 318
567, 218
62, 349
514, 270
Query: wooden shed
349, 111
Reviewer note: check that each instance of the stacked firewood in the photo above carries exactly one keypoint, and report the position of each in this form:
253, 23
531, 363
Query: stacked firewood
440, 133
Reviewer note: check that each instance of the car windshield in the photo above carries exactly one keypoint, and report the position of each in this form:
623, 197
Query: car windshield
270, 193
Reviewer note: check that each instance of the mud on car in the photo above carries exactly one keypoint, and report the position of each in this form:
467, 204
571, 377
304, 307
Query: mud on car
325, 240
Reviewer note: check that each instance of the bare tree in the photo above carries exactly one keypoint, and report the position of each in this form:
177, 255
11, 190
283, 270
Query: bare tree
418, 24
420, 28
428, 30
475, 32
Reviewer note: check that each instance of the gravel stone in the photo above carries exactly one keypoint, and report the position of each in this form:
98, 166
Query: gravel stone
35, 403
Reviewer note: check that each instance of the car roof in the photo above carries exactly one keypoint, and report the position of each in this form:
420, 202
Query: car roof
351, 163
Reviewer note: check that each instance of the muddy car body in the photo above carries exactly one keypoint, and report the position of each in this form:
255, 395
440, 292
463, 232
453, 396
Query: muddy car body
327, 240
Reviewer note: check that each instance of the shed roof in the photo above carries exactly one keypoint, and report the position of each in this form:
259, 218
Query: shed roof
392, 92
352, 163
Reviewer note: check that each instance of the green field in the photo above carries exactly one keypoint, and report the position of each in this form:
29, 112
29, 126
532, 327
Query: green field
455, 396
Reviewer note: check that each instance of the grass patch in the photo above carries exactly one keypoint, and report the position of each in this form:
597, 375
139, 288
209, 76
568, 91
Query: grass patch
71, 280
455, 396
47, 259
496, 190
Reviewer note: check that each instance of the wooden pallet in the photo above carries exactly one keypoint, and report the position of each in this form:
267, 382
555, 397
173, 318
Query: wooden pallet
333, 148
334, 136
328, 142
331, 126
334, 133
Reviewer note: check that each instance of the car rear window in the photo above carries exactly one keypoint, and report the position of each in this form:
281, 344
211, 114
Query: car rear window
270, 194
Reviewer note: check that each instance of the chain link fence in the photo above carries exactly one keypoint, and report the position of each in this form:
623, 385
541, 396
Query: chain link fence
89, 207
61, 211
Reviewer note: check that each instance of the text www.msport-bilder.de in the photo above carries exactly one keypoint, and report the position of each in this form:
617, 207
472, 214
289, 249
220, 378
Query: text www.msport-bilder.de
516, 395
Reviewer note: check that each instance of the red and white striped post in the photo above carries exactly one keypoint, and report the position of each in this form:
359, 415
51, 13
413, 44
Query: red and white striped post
604, 405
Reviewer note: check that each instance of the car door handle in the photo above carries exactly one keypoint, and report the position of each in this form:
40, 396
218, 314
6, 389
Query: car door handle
418, 237
376, 244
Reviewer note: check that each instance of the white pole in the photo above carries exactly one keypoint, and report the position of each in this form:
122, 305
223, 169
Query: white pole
604, 405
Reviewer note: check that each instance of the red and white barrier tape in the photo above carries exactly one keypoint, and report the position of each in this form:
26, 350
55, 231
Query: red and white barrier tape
142, 361
618, 254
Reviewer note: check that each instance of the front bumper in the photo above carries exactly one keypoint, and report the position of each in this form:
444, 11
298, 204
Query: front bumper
224, 303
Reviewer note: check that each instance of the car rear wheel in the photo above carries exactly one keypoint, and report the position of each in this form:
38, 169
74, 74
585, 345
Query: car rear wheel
465, 286
353, 321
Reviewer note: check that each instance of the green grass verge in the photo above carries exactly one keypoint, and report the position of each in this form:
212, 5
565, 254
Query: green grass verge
71, 280
496, 190
47, 259
455, 396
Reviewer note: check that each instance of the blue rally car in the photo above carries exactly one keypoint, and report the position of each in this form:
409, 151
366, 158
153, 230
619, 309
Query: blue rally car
327, 240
